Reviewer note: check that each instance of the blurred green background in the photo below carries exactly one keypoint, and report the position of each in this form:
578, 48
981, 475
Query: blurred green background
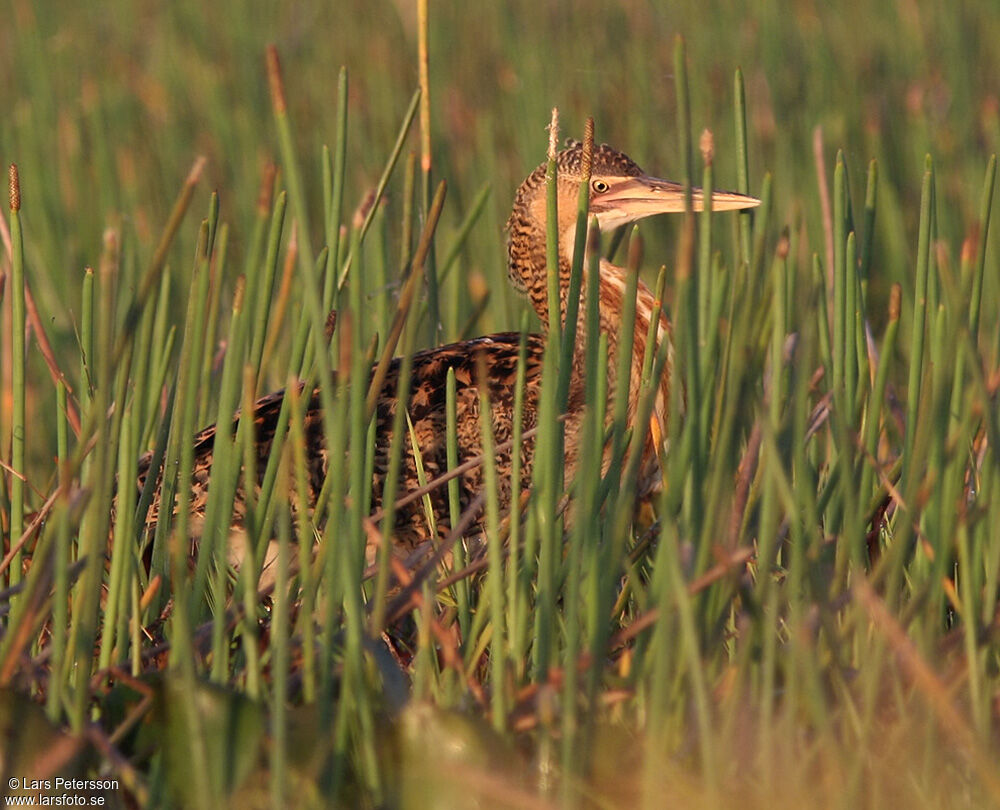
106, 107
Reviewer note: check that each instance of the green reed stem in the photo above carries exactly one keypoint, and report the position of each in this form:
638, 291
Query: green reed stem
498, 639
839, 280
687, 331
336, 200
158, 336
919, 321
260, 283
472, 216
280, 656
382, 183
122, 548
217, 269
454, 508
250, 569
706, 326
225, 475
851, 324
875, 401
552, 266
742, 163
152, 278
520, 561
868, 227
86, 335
18, 389
985, 208
569, 338
180, 456
289, 158
391, 486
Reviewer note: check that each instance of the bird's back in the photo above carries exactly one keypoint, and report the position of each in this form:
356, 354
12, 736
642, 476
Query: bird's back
427, 424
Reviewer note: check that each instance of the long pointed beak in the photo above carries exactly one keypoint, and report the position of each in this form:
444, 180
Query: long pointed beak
643, 196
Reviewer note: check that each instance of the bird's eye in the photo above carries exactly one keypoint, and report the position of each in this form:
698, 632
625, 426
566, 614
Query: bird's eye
600, 186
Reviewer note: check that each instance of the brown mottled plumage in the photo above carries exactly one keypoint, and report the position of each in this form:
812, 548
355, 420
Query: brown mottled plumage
620, 193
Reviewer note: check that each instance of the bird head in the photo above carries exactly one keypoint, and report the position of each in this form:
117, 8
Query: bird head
619, 193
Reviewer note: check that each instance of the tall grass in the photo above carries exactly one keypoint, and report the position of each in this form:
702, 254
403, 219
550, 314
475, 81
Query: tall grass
804, 614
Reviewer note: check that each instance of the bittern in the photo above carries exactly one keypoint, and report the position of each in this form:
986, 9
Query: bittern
620, 193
